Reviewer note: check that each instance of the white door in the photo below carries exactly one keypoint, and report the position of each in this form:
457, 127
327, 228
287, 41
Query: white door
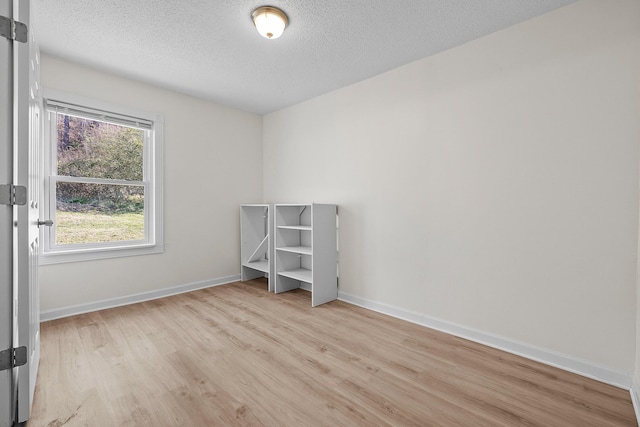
27, 171
7, 389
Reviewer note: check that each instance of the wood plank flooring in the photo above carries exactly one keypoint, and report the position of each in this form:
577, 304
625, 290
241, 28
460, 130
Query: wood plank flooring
238, 355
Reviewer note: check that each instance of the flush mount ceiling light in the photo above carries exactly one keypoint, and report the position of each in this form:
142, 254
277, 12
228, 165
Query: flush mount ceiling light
269, 21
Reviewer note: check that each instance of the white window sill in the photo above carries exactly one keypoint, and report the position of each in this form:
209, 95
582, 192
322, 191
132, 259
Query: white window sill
78, 255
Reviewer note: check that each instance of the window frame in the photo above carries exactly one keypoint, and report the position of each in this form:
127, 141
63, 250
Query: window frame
152, 182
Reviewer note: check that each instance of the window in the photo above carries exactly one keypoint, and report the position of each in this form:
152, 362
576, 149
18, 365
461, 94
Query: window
103, 180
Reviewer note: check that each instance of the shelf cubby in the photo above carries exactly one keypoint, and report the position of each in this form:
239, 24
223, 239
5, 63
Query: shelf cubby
256, 249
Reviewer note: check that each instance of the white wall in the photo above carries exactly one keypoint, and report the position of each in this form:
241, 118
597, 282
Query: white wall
494, 185
635, 392
213, 163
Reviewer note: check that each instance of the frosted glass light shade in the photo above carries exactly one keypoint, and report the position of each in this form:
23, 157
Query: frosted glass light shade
269, 21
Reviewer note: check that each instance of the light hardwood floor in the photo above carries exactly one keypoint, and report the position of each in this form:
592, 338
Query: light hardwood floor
238, 355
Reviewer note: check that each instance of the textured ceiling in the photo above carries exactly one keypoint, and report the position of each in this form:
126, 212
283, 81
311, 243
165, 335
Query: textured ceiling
210, 49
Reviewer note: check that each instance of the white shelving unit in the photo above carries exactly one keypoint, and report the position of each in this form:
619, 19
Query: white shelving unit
256, 248
306, 250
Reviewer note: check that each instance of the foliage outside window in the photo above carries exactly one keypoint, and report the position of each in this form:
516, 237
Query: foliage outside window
98, 212
102, 183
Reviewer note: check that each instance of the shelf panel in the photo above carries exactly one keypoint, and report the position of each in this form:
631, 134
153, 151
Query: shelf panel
296, 227
303, 250
262, 265
298, 274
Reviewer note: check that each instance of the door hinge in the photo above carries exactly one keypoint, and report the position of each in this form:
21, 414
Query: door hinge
12, 358
13, 195
13, 30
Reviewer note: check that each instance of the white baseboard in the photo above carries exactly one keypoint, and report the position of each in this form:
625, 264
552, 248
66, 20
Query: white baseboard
58, 313
588, 369
634, 397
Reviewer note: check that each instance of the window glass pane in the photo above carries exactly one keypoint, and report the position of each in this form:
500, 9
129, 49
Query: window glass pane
95, 149
95, 213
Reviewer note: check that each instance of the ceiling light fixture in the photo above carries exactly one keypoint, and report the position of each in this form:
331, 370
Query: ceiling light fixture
269, 21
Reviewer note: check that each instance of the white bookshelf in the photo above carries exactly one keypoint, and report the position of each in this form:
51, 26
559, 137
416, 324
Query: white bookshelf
306, 250
256, 243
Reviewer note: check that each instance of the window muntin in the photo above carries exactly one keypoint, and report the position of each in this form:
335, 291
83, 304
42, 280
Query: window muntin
103, 179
